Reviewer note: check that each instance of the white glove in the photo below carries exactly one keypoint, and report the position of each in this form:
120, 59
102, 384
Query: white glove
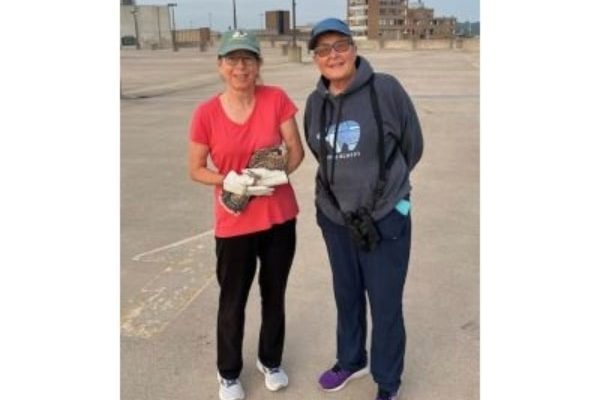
245, 185
267, 177
236, 183
259, 190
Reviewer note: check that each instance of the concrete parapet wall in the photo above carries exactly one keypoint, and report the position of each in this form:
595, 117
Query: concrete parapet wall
283, 45
434, 44
408, 44
368, 44
467, 44
264, 44
470, 44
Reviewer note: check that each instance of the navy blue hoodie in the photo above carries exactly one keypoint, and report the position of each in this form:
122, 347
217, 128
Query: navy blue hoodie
353, 164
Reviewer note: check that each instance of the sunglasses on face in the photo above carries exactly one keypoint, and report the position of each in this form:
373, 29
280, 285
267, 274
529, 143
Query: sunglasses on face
341, 46
233, 60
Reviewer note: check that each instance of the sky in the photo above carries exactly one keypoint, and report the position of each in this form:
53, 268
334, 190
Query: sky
219, 13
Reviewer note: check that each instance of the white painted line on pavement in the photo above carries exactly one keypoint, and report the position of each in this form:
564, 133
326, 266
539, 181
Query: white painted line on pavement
179, 243
210, 280
185, 276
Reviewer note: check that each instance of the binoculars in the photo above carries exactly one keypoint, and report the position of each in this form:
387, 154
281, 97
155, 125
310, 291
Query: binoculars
362, 228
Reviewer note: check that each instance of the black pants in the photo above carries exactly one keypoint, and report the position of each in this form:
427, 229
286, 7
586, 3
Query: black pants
236, 267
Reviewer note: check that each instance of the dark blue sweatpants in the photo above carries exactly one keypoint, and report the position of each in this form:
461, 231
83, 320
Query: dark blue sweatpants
380, 273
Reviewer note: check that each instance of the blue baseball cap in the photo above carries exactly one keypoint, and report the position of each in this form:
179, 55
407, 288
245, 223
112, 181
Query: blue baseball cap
328, 25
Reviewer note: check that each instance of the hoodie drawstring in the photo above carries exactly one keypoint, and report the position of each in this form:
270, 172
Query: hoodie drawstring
322, 138
324, 132
335, 135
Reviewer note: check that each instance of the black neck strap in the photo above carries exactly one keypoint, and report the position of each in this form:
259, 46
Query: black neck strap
383, 166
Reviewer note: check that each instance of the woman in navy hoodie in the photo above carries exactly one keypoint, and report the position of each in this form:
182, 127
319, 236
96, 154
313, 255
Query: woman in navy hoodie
363, 129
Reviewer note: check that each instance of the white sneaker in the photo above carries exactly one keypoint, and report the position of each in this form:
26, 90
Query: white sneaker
230, 389
275, 378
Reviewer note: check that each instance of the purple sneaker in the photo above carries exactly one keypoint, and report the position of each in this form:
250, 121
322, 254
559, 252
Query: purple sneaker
383, 395
336, 378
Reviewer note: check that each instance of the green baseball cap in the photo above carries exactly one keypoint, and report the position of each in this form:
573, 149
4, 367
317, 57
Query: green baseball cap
238, 40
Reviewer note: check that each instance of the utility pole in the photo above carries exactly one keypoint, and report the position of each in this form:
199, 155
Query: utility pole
134, 12
210, 40
171, 7
234, 17
405, 30
294, 53
294, 24
158, 24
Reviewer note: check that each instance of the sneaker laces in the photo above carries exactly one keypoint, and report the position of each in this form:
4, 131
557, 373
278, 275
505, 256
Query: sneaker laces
268, 370
273, 370
228, 382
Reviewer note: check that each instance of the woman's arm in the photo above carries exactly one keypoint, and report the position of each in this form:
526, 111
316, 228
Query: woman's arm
197, 161
291, 137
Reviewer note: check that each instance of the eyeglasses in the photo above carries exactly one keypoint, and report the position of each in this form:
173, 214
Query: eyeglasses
246, 60
341, 46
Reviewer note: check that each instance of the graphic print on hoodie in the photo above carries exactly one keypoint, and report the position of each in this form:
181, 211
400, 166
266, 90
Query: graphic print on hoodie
347, 139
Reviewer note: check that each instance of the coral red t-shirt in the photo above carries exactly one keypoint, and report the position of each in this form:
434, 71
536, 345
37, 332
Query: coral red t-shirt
231, 146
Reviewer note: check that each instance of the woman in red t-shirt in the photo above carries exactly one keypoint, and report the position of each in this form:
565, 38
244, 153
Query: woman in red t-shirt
230, 127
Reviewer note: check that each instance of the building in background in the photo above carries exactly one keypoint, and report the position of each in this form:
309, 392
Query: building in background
195, 37
467, 29
423, 25
396, 19
277, 22
151, 25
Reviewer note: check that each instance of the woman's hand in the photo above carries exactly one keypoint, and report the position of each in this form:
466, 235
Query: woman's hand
291, 137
